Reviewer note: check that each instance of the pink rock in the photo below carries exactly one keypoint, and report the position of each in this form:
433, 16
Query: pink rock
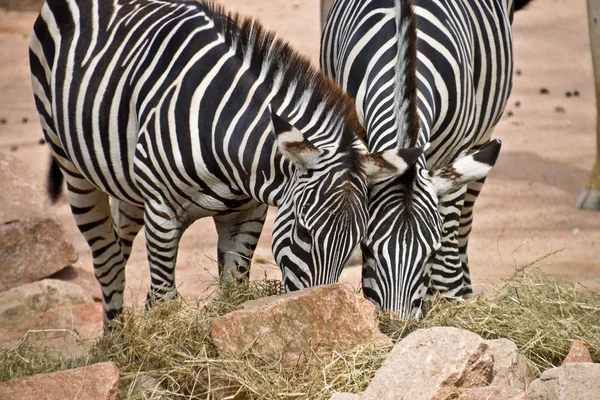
31, 250
495, 393
572, 381
578, 353
94, 382
293, 323
432, 364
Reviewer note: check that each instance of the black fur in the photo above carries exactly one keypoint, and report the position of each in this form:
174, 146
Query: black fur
520, 4
55, 180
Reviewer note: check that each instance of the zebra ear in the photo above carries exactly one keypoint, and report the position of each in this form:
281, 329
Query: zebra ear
389, 163
466, 169
293, 145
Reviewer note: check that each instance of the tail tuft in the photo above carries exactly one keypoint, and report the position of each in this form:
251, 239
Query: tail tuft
55, 180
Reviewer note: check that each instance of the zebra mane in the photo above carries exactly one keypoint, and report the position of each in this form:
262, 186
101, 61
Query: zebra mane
405, 88
267, 54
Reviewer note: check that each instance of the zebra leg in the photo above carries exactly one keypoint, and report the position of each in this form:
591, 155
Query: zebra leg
446, 273
127, 222
238, 235
91, 211
466, 223
163, 232
590, 195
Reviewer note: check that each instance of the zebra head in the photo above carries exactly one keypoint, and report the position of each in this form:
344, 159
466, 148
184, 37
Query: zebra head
322, 216
405, 229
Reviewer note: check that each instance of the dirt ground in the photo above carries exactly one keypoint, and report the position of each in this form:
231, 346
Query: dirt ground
526, 211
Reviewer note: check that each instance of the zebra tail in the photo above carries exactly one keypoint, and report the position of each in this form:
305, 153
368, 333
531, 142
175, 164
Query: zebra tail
55, 180
520, 4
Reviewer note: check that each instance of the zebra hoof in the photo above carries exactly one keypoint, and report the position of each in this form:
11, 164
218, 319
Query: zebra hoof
589, 199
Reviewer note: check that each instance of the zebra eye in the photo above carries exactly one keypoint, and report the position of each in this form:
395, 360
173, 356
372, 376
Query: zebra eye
303, 233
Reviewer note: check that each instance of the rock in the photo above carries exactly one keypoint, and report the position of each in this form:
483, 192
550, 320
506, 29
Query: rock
31, 250
510, 367
26, 301
494, 392
94, 382
573, 381
578, 353
81, 277
292, 323
20, 196
64, 329
345, 396
432, 364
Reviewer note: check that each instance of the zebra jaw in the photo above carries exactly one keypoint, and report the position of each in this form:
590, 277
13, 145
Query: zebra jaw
466, 169
389, 163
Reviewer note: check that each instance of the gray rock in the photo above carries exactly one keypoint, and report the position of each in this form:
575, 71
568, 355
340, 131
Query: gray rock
572, 381
433, 364
26, 301
510, 367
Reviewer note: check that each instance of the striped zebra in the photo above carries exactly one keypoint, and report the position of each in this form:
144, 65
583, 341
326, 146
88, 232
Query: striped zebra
435, 72
176, 110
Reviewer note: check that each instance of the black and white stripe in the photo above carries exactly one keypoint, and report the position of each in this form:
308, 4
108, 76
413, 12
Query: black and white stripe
168, 109
434, 73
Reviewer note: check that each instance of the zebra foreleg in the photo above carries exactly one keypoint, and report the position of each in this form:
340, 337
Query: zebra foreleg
91, 211
466, 224
127, 222
446, 271
590, 195
238, 236
163, 232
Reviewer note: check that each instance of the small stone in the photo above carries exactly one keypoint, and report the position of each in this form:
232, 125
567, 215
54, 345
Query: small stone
578, 353
97, 382
517, 104
560, 109
2, 121
14, 147
573, 381
576, 231
569, 94
509, 114
544, 91
576, 93
518, 72
24, 120
42, 141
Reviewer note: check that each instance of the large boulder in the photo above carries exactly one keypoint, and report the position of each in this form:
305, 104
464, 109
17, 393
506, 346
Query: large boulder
345, 396
573, 381
21, 197
291, 324
66, 330
510, 367
26, 301
94, 382
433, 364
31, 250
578, 353
494, 392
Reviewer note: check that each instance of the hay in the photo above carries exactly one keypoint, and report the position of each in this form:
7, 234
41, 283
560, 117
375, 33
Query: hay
167, 353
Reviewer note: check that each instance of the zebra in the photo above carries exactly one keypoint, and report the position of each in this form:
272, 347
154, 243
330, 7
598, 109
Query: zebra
434, 73
589, 199
161, 112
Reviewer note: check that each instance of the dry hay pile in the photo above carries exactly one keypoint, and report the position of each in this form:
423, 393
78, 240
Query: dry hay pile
171, 344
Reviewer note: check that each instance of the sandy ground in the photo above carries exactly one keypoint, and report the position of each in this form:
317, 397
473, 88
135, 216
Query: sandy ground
526, 211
